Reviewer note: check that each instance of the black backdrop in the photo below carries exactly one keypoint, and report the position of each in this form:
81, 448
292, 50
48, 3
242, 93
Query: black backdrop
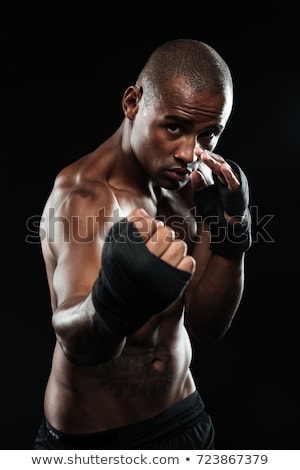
62, 79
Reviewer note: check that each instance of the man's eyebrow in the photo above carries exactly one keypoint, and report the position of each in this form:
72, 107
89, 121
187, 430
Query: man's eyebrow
213, 127
178, 118
187, 121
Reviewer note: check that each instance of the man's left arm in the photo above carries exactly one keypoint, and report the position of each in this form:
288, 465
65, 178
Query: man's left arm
224, 223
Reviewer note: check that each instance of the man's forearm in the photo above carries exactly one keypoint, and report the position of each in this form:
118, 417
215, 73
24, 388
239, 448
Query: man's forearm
215, 299
82, 335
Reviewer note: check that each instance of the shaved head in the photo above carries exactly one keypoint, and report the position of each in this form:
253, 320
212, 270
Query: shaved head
196, 63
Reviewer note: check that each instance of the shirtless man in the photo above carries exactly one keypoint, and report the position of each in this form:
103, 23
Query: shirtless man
144, 242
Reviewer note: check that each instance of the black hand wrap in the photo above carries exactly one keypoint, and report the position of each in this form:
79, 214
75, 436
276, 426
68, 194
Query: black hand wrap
133, 284
227, 239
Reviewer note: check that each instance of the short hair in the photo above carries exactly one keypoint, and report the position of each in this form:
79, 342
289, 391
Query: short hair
193, 61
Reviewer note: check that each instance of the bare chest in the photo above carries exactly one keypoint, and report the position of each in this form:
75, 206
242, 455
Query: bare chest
174, 210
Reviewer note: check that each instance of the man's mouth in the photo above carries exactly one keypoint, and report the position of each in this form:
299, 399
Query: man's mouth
178, 173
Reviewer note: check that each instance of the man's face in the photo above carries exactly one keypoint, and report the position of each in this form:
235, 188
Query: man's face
166, 132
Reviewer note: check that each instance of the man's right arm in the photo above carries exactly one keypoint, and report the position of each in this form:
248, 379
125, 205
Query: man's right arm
89, 328
73, 227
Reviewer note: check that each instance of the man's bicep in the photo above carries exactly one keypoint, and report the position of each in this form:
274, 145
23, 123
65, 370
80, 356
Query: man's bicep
76, 270
75, 238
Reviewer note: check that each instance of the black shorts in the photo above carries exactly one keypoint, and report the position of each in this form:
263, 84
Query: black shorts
185, 425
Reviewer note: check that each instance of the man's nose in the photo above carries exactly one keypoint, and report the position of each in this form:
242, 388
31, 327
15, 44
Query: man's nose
187, 154
186, 151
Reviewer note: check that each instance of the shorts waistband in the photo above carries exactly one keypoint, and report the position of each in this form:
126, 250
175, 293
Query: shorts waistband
178, 416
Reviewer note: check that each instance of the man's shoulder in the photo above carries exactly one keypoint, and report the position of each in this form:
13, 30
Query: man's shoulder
79, 186
84, 175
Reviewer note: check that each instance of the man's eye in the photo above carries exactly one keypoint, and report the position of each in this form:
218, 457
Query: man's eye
208, 135
173, 127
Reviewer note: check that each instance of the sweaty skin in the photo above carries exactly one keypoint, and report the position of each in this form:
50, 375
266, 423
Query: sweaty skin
147, 171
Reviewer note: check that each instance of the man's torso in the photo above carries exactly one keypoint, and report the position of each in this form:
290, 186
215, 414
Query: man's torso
152, 372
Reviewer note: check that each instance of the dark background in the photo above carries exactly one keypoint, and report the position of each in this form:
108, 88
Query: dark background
62, 79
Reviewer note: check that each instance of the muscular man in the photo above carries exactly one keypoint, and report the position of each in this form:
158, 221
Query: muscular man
144, 241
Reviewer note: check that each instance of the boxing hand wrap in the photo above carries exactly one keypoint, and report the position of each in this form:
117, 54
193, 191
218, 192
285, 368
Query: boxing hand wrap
227, 239
133, 284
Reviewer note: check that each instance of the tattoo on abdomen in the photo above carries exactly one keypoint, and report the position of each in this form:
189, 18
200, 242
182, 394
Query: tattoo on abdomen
137, 377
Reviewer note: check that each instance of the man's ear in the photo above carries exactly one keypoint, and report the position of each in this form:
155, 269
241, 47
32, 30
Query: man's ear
130, 101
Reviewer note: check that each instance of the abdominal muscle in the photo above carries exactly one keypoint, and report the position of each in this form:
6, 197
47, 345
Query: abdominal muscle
148, 377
